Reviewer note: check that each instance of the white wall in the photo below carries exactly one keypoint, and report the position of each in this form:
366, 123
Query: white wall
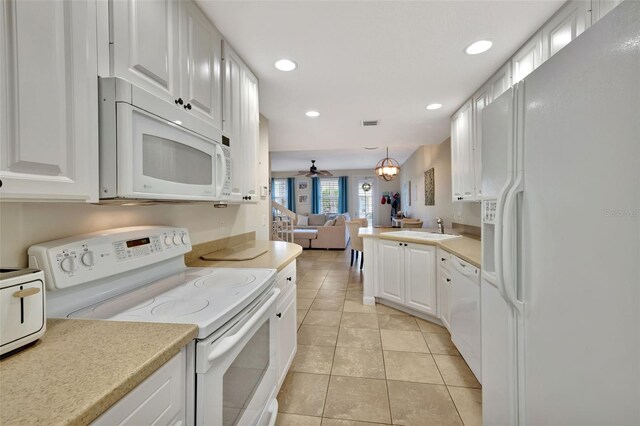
438, 157
24, 224
381, 213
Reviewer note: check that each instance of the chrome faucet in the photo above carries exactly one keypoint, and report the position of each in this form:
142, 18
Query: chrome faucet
440, 224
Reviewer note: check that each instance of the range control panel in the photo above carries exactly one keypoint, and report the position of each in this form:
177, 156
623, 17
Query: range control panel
86, 258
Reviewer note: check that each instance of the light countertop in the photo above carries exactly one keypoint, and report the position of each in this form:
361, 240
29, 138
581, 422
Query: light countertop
465, 247
80, 368
280, 254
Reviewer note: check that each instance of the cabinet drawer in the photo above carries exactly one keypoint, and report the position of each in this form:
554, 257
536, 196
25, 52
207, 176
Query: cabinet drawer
443, 258
286, 278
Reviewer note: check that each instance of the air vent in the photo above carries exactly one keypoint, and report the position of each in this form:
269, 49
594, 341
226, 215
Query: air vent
368, 123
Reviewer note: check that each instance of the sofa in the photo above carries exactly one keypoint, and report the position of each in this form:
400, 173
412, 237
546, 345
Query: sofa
322, 231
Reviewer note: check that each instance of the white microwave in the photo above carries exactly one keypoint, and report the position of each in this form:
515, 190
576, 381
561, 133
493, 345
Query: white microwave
152, 150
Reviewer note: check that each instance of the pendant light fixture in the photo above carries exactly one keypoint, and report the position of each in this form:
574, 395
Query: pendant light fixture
387, 168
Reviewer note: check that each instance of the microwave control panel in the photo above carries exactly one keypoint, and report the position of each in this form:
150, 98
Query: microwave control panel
87, 258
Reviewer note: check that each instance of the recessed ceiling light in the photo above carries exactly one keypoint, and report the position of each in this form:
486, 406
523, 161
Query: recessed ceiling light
434, 106
312, 114
286, 65
478, 47
370, 148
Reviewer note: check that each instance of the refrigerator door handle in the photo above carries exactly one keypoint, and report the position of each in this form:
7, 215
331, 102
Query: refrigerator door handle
507, 260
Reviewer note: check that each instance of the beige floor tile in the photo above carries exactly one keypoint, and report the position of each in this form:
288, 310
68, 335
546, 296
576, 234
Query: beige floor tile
355, 398
359, 320
304, 303
331, 294
312, 273
429, 327
440, 344
355, 295
285, 419
313, 359
353, 306
324, 318
398, 322
359, 338
317, 335
327, 305
355, 286
303, 393
336, 422
300, 315
403, 341
411, 367
303, 293
311, 278
342, 275
383, 309
469, 404
421, 404
356, 362
309, 285
455, 371
334, 285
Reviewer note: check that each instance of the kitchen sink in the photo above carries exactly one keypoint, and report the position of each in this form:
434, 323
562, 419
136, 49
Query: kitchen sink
427, 236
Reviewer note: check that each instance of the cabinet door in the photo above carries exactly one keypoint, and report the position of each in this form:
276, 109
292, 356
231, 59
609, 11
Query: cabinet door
500, 82
420, 277
231, 116
528, 58
391, 257
145, 45
287, 334
480, 101
464, 153
456, 187
250, 133
601, 8
567, 24
200, 59
444, 296
48, 100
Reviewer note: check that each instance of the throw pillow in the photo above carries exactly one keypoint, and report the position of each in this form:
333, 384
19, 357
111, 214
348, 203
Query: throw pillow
340, 220
303, 220
331, 222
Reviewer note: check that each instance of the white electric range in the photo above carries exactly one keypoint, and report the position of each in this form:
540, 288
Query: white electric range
138, 274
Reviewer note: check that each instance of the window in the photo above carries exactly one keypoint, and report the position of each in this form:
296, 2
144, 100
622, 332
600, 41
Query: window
329, 195
280, 191
365, 199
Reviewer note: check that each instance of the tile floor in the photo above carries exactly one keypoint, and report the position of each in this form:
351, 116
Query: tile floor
364, 365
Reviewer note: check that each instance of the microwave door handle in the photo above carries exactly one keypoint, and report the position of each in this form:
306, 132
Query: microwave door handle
226, 343
221, 170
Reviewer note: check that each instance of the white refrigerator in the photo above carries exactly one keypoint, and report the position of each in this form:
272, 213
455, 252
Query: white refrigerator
560, 290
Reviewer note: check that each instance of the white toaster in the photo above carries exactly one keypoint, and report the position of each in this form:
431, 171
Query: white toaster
22, 307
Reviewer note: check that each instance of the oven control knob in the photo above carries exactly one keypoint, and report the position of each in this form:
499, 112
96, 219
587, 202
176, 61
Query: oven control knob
87, 258
68, 264
176, 239
184, 239
168, 241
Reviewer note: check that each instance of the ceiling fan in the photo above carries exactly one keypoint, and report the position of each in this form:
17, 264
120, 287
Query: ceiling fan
314, 172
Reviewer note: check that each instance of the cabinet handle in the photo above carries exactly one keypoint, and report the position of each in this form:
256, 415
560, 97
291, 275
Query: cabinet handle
399, 244
179, 101
288, 278
443, 259
405, 244
448, 280
279, 314
187, 106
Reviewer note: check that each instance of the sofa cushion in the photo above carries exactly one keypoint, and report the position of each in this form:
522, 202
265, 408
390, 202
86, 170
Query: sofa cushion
302, 220
330, 222
317, 219
310, 234
340, 220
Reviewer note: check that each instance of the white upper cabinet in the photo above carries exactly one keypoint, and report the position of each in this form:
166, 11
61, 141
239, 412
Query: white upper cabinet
528, 58
567, 24
201, 54
250, 134
462, 160
145, 45
599, 8
419, 271
48, 100
500, 82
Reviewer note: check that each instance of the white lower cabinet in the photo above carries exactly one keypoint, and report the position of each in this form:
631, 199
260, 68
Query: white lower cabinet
407, 275
161, 399
286, 317
443, 259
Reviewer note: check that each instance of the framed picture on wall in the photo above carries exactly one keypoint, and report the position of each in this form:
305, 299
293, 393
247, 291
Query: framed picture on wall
303, 185
429, 188
303, 199
409, 195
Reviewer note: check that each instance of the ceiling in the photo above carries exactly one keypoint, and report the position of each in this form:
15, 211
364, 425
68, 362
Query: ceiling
369, 60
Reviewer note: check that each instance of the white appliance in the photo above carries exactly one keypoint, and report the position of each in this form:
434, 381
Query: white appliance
560, 285
22, 308
138, 274
152, 150
465, 313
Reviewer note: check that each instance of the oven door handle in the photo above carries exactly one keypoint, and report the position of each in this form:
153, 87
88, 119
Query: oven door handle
226, 343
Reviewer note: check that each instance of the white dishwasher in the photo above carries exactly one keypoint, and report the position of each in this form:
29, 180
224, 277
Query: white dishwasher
465, 312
